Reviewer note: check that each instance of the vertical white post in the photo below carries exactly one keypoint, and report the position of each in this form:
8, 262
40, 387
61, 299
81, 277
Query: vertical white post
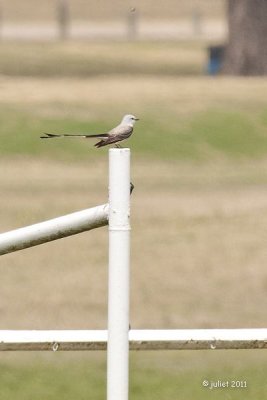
119, 262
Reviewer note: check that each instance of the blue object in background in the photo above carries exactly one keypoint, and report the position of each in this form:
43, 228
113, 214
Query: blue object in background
216, 54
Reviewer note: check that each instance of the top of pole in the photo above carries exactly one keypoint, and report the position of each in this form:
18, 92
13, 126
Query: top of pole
119, 188
119, 150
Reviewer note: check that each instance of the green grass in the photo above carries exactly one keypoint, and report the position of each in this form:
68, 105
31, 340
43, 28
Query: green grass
52, 382
200, 137
169, 376
205, 135
21, 136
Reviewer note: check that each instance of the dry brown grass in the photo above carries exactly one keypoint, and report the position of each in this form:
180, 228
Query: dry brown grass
140, 94
198, 247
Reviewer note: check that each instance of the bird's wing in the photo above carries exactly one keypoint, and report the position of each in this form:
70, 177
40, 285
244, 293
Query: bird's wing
116, 135
121, 131
53, 135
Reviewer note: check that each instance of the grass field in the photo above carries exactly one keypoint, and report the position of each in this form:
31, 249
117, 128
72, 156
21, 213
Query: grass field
198, 217
173, 375
91, 59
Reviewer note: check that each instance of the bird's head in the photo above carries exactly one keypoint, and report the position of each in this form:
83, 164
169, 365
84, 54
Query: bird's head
129, 119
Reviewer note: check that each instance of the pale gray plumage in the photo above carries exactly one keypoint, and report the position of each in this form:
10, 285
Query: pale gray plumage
121, 132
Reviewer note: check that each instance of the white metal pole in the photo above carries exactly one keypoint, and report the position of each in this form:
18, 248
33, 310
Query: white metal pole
119, 261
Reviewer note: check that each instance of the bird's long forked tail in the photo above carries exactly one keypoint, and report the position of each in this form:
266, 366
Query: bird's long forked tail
49, 136
54, 135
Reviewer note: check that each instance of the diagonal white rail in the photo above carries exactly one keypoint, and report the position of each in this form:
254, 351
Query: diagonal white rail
53, 229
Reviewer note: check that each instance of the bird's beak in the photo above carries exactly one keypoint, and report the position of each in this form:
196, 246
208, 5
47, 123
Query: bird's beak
136, 119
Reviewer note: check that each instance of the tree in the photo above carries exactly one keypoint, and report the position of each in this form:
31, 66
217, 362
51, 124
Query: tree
246, 51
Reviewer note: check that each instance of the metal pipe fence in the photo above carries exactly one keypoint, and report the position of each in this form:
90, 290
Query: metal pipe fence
119, 338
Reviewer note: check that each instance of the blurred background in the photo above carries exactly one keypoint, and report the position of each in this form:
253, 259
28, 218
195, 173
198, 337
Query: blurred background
194, 73
82, 19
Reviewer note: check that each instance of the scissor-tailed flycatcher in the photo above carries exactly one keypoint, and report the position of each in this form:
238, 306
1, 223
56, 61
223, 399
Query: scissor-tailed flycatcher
117, 134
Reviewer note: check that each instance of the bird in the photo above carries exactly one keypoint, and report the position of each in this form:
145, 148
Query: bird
120, 132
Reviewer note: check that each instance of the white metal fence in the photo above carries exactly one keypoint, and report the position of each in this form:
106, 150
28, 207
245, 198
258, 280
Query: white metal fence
118, 338
169, 339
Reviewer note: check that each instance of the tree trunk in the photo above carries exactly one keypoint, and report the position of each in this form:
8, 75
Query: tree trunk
246, 52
